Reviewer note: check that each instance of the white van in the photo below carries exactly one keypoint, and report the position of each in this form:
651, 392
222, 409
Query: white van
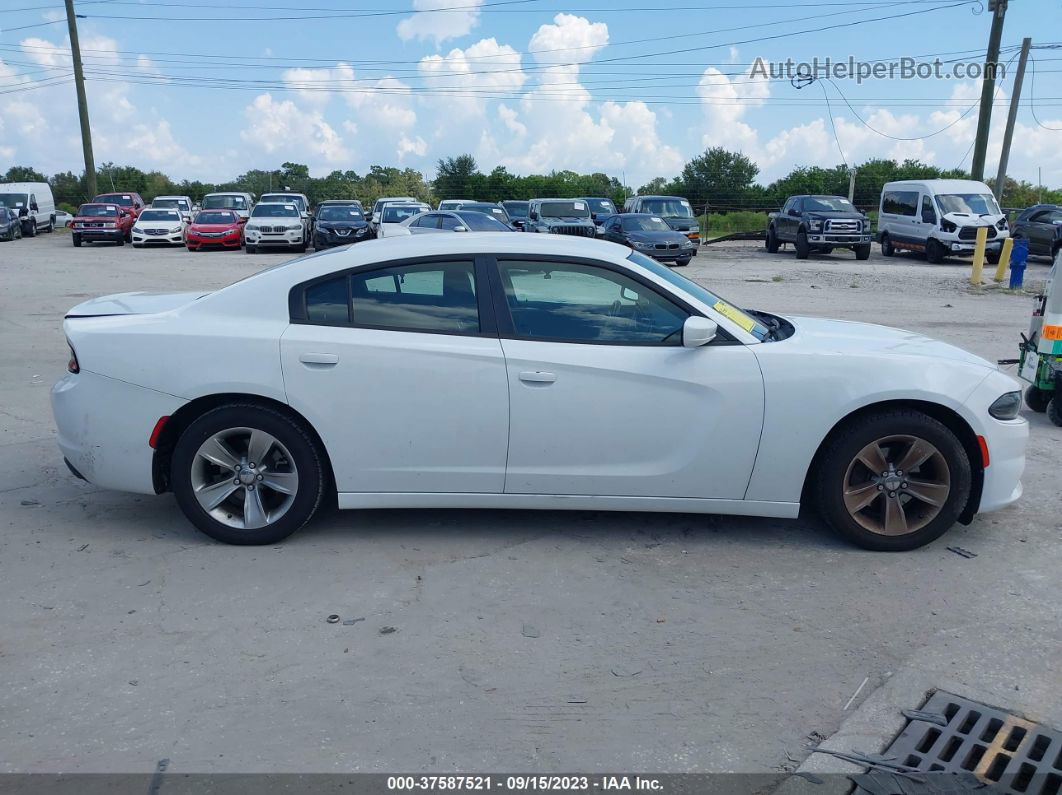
34, 204
939, 217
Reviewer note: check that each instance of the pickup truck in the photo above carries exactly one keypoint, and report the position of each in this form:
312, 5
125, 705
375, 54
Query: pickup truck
819, 223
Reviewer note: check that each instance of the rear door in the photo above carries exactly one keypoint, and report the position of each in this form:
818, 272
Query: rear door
605, 400
400, 370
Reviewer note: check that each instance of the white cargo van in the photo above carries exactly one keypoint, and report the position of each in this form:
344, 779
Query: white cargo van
939, 217
34, 204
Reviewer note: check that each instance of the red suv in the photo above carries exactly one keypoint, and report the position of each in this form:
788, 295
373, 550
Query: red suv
96, 222
127, 200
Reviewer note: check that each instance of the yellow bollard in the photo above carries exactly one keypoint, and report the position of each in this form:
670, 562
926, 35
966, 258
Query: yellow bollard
1004, 259
979, 255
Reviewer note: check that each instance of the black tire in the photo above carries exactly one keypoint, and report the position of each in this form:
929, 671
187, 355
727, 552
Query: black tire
862, 252
51, 225
1037, 399
291, 433
848, 440
772, 241
993, 256
120, 241
682, 263
32, 232
77, 240
1054, 409
802, 247
138, 245
934, 252
301, 248
886, 247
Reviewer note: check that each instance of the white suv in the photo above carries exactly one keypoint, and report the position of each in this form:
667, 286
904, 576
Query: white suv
939, 217
275, 224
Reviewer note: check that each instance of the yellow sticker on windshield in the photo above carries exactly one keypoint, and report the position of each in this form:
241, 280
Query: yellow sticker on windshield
735, 314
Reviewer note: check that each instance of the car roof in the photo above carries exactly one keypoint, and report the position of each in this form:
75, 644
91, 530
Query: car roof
657, 196
942, 185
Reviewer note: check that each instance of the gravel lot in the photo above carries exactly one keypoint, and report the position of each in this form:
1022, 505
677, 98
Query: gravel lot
523, 641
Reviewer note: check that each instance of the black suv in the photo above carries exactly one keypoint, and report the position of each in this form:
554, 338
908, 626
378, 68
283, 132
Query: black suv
819, 223
1041, 225
560, 217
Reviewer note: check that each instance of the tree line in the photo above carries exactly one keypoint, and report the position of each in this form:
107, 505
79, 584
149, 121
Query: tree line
716, 182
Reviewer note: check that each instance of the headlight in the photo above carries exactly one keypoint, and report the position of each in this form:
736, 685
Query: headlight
251, 228
1001, 224
687, 243
360, 231
1006, 406
814, 224
947, 226
292, 228
640, 244
232, 231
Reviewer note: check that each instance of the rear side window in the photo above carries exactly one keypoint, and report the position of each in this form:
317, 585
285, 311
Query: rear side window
900, 202
433, 297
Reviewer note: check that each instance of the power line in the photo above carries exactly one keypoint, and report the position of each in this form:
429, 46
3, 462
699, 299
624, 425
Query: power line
1032, 98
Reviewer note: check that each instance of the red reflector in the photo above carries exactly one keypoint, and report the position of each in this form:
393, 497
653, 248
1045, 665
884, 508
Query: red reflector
984, 451
154, 438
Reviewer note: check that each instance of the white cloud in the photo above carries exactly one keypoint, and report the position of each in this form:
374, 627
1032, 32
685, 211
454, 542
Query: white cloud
442, 25
411, 146
570, 39
281, 127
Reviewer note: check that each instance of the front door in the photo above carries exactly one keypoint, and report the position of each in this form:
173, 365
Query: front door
605, 400
404, 382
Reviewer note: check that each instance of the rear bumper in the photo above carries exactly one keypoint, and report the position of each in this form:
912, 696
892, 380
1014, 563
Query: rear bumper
104, 426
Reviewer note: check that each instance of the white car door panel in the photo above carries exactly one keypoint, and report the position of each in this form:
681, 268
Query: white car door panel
402, 411
638, 421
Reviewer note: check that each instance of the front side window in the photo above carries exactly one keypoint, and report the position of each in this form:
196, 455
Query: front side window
928, 216
396, 214
481, 222
572, 302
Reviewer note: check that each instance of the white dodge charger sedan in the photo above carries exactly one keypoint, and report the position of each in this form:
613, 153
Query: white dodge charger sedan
525, 371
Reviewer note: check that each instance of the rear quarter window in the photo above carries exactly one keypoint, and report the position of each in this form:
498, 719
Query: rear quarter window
900, 202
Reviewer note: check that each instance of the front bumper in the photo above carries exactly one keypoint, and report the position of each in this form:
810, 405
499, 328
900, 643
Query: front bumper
175, 238
671, 255
295, 237
104, 426
839, 239
98, 235
1005, 440
968, 247
324, 239
199, 240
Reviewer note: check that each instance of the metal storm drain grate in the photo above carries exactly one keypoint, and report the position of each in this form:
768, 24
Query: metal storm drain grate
955, 735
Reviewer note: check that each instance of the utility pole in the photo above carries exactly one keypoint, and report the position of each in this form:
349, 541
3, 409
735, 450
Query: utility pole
988, 88
1008, 135
851, 184
82, 101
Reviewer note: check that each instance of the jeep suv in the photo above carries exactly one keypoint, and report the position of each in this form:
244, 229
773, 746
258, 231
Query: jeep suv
819, 223
560, 217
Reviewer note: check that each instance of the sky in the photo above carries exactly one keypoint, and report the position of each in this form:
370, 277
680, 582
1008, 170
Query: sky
633, 88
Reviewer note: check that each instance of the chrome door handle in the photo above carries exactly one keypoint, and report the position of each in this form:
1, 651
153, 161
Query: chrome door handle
319, 358
537, 377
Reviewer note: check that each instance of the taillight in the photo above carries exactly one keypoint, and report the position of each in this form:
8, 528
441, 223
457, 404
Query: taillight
72, 365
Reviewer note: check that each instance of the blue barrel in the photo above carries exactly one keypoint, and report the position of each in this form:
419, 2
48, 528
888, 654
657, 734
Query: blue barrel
1019, 255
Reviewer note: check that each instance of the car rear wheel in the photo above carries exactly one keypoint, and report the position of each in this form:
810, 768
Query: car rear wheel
802, 247
893, 481
247, 474
886, 247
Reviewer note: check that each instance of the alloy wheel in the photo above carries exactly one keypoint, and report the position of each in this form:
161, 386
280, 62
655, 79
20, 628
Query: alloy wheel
244, 478
896, 485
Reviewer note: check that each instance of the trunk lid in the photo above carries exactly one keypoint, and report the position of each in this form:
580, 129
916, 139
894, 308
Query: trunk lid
133, 304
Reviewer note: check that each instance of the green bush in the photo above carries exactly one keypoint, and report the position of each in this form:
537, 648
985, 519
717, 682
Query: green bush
719, 224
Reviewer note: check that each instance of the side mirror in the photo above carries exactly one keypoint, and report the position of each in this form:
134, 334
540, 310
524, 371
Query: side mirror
698, 331
460, 228
795, 213
376, 218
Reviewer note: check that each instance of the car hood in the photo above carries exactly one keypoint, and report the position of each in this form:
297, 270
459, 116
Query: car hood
213, 227
657, 237
845, 214
845, 336
680, 223
91, 218
341, 224
972, 219
133, 304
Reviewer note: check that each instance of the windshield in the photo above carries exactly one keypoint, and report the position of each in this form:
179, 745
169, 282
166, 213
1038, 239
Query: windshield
178, 204
396, 214
668, 207
275, 211
828, 204
494, 210
516, 209
720, 305
339, 214
645, 223
481, 222
601, 206
284, 198
224, 203
974, 203
572, 209
97, 210
14, 200
122, 199
449, 204
215, 218
160, 215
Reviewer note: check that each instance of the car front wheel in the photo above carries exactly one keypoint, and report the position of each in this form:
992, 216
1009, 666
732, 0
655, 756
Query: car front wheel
802, 247
247, 474
893, 481
772, 241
